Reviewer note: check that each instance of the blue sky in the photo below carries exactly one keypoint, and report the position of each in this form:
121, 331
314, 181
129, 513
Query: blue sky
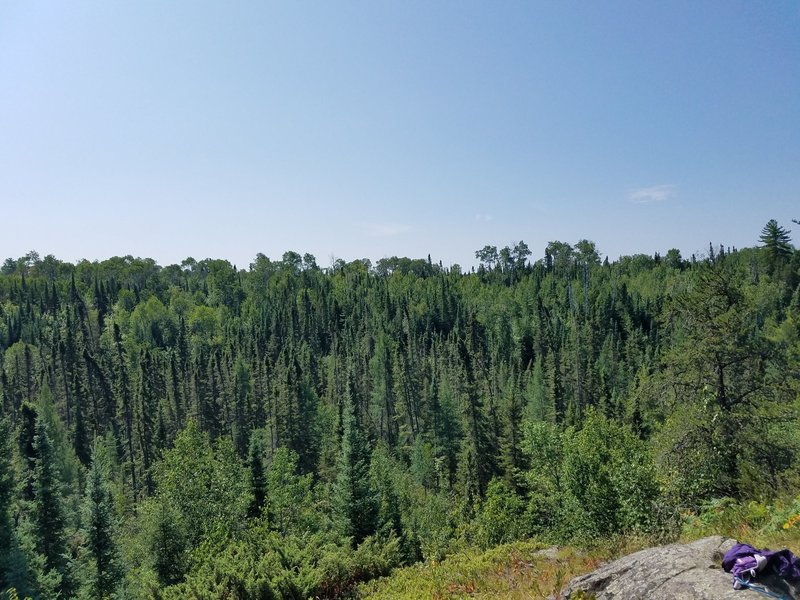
372, 129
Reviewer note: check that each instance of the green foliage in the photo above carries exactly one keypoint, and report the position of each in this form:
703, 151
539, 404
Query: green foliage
502, 517
207, 486
151, 325
290, 502
265, 564
774, 524
515, 571
47, 515
102, 561
202, 497
165, 543
343, 421
727, 412
67, 464
204, 326
776, 241
6, 482
543, 445
432, 524
7, 536
608, 480
11, 594
384, 473
258, 478
354, 501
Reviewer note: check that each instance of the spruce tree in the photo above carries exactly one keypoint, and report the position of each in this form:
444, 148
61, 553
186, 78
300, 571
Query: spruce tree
382, 470
6, 496
258, 479
241, 406
511, 458
26, 435
99, 524
81, 435
49, 522
124, 401
354, 502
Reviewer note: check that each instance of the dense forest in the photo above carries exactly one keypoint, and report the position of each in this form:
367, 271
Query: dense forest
286, 431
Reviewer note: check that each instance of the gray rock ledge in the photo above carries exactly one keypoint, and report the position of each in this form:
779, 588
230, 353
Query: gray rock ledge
675, 572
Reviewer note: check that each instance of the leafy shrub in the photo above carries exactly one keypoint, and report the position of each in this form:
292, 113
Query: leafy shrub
762, 524
263, 564
609, 481
502, 516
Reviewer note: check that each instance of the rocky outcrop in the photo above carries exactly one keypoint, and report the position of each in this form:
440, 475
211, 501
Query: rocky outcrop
675, 572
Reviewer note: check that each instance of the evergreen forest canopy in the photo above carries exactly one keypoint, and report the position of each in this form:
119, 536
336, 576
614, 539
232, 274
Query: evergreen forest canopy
288, 431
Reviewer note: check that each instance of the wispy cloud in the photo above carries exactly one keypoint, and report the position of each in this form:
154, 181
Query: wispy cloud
648, 195
483, 217
387, 229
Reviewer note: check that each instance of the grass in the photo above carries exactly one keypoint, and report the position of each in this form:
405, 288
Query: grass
523, 570
519, 571
775, 525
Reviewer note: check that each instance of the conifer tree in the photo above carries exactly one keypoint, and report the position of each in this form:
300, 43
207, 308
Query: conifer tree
776, 243
14, 570
241, 405
382, 397
122, 391
354, 500
26, 435
99, 523
258, 479
81, 435
6, 496
386, 492
49, 521
510, 448
477, 458
146, 415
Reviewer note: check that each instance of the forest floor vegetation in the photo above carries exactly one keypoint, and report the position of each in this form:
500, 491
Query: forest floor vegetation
530, 569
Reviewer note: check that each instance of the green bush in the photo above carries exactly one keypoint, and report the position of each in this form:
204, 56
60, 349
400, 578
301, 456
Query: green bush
609, 481
502, 516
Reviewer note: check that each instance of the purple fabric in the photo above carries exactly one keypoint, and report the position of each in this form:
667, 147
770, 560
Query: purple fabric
741, 561
785, 564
